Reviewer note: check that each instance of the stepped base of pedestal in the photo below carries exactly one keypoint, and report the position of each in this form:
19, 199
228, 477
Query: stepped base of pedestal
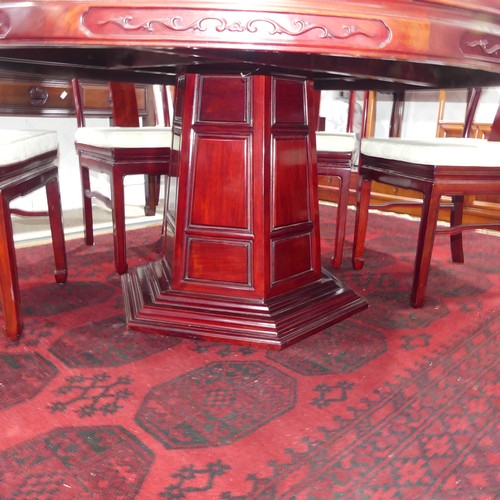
153, 307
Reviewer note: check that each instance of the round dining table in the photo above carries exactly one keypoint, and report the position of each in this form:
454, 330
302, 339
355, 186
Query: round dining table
241, 256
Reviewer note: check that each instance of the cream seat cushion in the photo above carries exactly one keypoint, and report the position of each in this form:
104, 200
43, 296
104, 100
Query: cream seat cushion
439, 151
125, 137
335, 142
21, 145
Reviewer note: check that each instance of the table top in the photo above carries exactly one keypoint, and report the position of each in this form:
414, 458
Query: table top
339, 44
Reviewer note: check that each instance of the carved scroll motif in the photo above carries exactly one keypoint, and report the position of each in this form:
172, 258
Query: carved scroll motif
105, 21
484, 46
220, 25
4, 25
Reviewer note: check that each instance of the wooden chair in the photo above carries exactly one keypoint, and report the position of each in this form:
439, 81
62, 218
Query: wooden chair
334, 158
467, 128
435, 167
120, 150
153, 182
28, 161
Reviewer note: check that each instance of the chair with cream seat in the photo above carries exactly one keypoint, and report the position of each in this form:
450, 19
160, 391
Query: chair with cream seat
336, 150
28, 161
438, 167
121, 150
334, 156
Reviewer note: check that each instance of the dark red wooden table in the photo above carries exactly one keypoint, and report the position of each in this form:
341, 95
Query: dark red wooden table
241, 246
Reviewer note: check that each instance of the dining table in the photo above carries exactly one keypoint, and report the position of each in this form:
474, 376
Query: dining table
240, 251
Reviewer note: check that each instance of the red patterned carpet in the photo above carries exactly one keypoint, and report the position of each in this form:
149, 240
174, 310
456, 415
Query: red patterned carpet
394, 403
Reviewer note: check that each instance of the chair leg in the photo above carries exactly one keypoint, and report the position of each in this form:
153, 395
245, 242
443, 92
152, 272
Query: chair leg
120, 242
457, 248
57, 230
425, 243
152, 193
363, 204
87, 206
344, 177
9, 283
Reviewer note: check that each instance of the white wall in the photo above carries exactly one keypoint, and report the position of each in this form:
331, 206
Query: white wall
421, 111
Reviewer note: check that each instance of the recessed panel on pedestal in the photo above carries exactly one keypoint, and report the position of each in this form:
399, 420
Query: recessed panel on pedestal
291, 256
290, 105
230, 106
294, 238
290, 181
220, 182
227, 262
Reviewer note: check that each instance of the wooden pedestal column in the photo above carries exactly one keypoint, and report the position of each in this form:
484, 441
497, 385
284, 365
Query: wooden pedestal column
241, 243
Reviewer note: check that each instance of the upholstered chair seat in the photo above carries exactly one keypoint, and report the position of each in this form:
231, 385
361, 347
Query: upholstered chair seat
17, 146
125, 137
455, 152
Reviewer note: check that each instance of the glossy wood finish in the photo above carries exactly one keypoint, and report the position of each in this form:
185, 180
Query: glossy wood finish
398, 106
458, 201
337, 165
478, 209
26, 95
332, 164
18, 180
242, 254
434, 182
346, 45
116, 163
355, 43
336, 173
